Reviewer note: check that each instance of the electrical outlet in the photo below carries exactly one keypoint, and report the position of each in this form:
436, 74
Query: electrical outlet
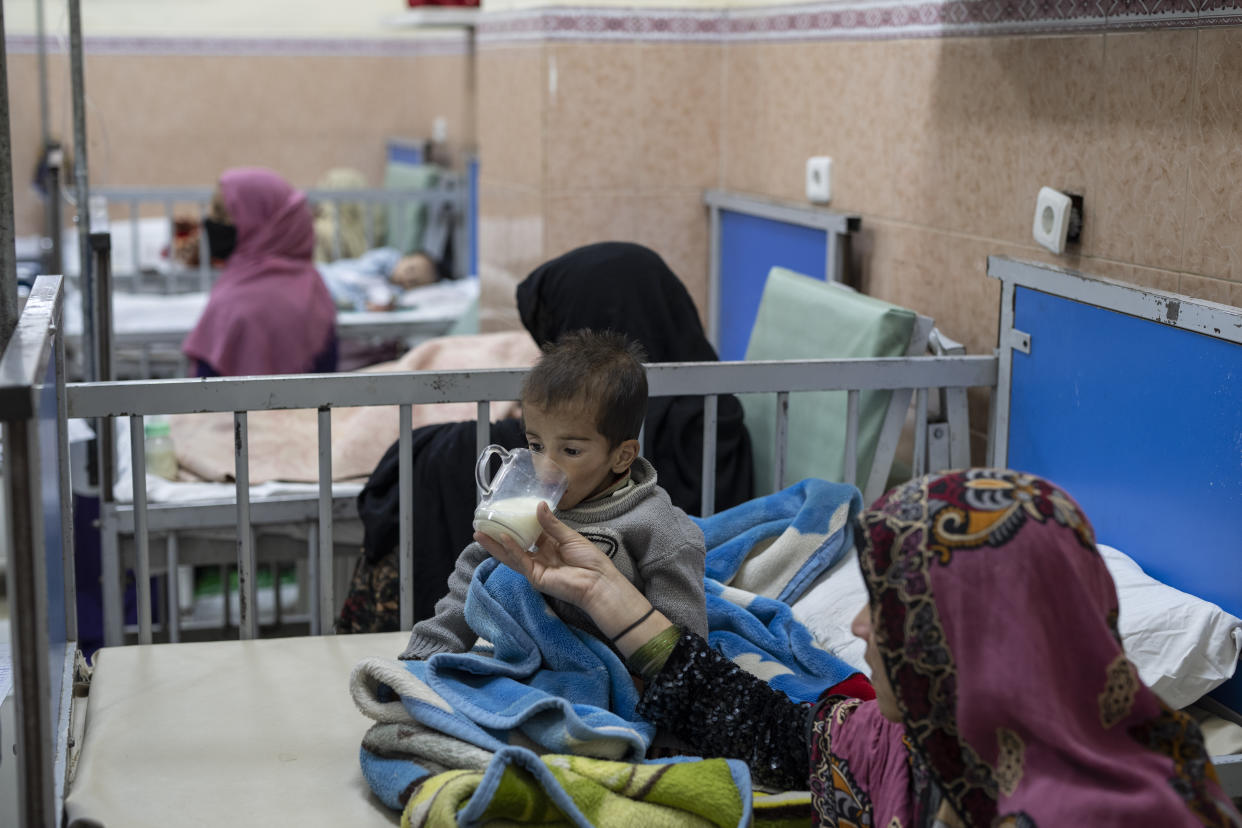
1058, 219
819, 179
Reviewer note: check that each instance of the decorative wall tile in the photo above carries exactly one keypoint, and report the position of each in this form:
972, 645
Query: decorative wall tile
674, 224
854, 20
1213, 290
973, 138
1214, 213
573, 219
510, 115
1138, 206
1066, 142
1220, 12
849, 120
679, 87
743, 141
591, 137
1152, 13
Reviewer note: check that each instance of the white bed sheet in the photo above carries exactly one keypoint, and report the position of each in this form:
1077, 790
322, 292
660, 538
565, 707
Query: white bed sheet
227, 733
154, 235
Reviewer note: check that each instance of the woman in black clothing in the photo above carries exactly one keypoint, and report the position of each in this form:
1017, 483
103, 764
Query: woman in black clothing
615, 286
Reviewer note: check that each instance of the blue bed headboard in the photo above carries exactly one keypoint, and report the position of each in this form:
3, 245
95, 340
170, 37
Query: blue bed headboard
1131, 400
749, 237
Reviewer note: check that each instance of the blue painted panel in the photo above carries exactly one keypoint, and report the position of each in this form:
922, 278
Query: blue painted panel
53, 542
1142, 424
405, 153
749, 248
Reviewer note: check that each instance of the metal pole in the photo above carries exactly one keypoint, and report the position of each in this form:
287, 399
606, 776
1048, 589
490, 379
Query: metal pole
55, 262
247, 608
101, 264
8, 256
105, 442
66, 488
82, 193
327, 581
41, 32
27, 584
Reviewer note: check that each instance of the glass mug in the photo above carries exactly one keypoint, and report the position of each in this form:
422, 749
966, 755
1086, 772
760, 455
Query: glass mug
512, 495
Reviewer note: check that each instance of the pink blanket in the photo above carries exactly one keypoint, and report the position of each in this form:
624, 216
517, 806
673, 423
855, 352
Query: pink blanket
284, 444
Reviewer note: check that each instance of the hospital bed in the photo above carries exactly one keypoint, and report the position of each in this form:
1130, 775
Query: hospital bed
261, 732
156, 301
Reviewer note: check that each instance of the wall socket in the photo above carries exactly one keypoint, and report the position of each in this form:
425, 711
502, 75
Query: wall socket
819, 179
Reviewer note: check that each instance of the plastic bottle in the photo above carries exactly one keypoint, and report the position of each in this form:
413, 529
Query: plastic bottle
161, 458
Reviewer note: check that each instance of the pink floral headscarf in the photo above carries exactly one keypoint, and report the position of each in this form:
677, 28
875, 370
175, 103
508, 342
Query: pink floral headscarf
269, 312
996, 621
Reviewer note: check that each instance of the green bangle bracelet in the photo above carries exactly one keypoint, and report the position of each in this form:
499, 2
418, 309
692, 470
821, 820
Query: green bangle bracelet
649, 659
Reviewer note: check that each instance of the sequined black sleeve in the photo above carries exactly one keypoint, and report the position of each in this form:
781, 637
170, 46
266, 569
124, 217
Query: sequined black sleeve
721, 710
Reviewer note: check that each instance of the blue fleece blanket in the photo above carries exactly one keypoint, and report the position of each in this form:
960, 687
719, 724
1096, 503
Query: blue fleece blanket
777, 546
553, 688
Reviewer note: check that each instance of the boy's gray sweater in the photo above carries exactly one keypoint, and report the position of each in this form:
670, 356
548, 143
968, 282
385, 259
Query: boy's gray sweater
653, 543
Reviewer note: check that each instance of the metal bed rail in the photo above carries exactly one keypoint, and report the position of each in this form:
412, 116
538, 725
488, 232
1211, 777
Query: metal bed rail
138, 400
450, 192
38, 545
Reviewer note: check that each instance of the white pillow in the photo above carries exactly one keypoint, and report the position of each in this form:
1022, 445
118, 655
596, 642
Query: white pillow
828, 608
1182, 646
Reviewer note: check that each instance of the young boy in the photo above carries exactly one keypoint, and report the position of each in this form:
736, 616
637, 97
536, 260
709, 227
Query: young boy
583, 405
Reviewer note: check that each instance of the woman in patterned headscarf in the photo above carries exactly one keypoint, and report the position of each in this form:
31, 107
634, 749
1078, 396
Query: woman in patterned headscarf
1003, 695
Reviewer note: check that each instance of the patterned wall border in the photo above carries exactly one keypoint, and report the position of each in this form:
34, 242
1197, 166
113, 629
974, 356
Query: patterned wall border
450, 44
854, 20
830, 20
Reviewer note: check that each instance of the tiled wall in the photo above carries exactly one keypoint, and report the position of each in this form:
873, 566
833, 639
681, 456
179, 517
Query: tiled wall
941, 144
587, 142
948, 137
157, 119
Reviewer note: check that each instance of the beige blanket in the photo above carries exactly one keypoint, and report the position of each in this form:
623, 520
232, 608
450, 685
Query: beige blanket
284, 445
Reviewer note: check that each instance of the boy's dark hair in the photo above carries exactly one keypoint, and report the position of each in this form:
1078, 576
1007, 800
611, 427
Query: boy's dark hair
600, 370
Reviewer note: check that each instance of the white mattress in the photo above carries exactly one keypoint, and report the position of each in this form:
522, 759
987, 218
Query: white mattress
227, 733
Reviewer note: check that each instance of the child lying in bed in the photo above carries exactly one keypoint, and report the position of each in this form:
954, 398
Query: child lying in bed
583, 405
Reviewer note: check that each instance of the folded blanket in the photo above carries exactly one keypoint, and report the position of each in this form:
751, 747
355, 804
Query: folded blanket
397, 757
283, 444
558, 790
776, 545
545, 683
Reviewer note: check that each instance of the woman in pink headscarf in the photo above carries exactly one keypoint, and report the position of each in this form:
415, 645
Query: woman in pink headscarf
269, 312
1002, 694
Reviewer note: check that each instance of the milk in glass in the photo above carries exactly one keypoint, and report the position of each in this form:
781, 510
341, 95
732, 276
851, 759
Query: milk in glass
514, 516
